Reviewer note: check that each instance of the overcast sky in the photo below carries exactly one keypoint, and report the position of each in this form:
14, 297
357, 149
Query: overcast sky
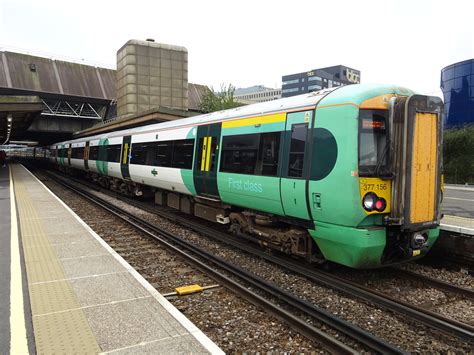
256, 42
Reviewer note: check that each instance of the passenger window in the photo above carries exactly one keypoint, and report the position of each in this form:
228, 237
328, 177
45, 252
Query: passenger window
240, 153
171, 154
138, 154
163, 154
269, 154
183, 154
93, 152
113, 153
297, 147
213, 154
255, 154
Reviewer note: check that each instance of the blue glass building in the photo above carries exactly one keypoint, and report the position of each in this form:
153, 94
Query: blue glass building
457, 83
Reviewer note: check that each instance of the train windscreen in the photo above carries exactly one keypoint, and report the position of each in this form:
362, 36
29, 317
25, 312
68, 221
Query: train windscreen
373, 143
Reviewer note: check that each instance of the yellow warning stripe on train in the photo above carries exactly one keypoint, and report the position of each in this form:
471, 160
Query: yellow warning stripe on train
203, 158
208, 157
251, 121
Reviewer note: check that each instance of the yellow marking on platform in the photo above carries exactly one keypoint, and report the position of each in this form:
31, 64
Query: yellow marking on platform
18, 339
273, 118
60, 326
185, 290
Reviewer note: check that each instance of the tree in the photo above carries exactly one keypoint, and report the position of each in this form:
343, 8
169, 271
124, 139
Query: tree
458, 155
217, 101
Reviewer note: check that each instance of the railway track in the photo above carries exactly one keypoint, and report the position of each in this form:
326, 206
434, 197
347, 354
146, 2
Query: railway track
427, 317
438, 284
193, 255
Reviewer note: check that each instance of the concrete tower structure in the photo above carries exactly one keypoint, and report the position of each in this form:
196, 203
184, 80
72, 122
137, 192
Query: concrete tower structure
150, 75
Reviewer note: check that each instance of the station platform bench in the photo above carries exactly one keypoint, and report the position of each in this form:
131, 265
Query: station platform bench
64, 290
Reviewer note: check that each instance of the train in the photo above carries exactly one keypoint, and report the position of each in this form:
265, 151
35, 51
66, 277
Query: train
350, 175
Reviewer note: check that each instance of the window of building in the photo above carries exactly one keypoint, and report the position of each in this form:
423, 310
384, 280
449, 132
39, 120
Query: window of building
290, 90
288, 82
297, 147
312, 78
314, 87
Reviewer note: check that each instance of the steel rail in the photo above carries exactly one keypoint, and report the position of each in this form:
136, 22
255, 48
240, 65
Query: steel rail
432, 319
347, 328
439, 284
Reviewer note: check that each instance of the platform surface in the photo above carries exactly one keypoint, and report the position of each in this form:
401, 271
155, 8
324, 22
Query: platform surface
4, 260
457, 224
458, 200
84, 297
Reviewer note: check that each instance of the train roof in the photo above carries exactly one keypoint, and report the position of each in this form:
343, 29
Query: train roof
354, 93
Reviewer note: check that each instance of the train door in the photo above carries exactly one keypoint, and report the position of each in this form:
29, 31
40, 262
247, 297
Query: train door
418, 138
205, 160
295, 167
125, 157
69, 152
86, 156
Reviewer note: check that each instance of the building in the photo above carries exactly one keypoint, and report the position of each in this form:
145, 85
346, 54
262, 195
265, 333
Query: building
457, 83
317, 79
257, 93
151, 75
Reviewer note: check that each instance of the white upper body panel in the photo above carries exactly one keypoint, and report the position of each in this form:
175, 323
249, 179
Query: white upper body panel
264, 108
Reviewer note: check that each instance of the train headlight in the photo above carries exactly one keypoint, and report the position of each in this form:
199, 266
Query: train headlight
380, 204
369, 201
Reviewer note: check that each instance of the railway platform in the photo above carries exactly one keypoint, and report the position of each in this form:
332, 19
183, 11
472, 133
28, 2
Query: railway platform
456, 240
457, 224
64, 290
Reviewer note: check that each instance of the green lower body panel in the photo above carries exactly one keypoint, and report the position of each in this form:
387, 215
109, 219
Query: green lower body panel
353, 247
358, 247
433, 235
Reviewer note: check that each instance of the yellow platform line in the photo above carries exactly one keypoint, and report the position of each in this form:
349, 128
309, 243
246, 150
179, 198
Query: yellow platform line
18, 339
60, 326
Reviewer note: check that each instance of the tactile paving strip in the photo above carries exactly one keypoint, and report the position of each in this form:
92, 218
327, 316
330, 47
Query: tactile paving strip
60, 325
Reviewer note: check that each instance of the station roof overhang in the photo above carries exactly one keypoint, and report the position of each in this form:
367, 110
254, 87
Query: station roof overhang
155, 115
16, 115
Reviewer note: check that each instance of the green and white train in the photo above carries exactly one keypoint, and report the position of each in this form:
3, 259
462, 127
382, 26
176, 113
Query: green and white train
350, 174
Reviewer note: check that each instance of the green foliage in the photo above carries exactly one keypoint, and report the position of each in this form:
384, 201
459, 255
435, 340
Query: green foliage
458, 155
222, 100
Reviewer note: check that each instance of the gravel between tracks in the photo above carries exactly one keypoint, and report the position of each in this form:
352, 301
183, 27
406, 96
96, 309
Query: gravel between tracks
414, 291
408, 336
